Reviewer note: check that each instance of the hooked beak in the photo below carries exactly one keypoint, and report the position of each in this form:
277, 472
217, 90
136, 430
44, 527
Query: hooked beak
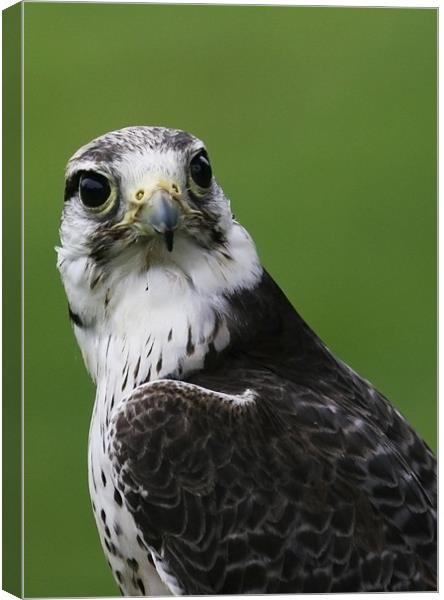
162, 214
157, 207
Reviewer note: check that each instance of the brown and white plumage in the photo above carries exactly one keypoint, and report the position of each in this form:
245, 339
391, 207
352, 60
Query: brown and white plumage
230, 452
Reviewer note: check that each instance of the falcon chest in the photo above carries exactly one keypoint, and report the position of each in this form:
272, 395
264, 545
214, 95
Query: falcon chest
143, 335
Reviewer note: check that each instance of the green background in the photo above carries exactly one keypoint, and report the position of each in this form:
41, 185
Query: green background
321, 125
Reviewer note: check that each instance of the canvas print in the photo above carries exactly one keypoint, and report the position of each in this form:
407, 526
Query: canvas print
229, 300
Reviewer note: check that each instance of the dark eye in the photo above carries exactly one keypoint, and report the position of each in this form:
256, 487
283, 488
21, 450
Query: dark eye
200, 169
94, 189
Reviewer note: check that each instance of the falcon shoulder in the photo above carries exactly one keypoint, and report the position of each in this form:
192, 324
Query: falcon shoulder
274, 488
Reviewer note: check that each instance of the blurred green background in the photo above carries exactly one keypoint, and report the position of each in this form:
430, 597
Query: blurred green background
321, 125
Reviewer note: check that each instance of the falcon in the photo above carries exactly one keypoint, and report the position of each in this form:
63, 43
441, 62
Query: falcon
229, 451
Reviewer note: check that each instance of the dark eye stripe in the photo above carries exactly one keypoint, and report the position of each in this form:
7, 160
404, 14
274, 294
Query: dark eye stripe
71, 186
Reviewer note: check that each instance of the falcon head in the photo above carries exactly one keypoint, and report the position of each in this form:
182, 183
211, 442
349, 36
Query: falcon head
143, 209
143, 189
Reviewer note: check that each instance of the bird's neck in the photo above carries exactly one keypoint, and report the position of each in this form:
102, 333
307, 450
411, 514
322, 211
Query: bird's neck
140, 323
148, 338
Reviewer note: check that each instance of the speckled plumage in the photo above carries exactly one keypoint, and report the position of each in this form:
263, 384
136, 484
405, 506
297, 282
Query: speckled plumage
229, 451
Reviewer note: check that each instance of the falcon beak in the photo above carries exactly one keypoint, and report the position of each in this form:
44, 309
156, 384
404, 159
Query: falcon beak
160, 207
157, 207
162, 214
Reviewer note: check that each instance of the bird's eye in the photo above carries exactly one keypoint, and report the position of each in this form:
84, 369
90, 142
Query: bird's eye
200, 170
94, 190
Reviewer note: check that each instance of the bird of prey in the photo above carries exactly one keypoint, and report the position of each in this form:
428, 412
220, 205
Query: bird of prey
229, 451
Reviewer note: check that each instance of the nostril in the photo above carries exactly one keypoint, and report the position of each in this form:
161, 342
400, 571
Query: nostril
140, 194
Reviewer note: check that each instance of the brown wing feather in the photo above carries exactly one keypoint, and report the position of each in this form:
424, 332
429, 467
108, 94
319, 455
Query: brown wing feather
263, 498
